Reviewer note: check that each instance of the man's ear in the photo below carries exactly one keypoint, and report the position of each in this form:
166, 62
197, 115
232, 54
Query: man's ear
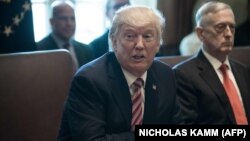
51, 20
199, 32
114, 43
158, 48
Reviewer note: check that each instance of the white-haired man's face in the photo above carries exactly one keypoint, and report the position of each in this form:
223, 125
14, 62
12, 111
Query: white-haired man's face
136, 46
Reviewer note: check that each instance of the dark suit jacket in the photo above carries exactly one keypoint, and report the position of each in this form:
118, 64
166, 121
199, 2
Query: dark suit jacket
100, 45
84, 53
202, 95
99, 104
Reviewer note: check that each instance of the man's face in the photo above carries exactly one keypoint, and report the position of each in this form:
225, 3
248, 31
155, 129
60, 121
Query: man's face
218, 32
63, 22
135, 47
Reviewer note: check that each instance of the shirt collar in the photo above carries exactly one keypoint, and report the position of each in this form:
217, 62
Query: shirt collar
214, 61
131, 78
59, 41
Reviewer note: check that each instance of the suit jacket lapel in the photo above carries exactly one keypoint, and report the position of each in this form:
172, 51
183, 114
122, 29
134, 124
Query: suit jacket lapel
52, 43
150, 105
242, 85
209, 76
240, 78
79, 54
120, 90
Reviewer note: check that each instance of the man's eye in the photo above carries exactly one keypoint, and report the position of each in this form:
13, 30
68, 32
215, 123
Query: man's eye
220, 27
148, 37
61, 17
232, 27
66, 18
129, 36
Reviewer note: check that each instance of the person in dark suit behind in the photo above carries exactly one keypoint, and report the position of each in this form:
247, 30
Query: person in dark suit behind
99, 105
63, 28
200, 81
100, 44
242, 34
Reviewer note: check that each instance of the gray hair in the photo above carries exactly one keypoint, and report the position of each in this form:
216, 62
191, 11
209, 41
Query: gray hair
135, 15
209, 7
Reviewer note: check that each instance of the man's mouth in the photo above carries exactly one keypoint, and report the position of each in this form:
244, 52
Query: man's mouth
138, 57
227, 44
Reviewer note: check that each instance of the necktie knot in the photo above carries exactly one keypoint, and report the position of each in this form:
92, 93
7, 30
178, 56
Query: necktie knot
138, 83
223, 68
66, 45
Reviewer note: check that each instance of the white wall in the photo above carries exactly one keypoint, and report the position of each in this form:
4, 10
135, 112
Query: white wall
150, 3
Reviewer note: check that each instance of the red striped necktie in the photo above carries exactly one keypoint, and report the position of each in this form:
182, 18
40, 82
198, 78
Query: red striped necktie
233, 96
137, 115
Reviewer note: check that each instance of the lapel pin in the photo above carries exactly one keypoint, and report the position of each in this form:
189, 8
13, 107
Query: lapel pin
154, 87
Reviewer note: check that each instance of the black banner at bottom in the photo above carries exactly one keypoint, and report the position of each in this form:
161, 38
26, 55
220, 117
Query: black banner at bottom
217, 132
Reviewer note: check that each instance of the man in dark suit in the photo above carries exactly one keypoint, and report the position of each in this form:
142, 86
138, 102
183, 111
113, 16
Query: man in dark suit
100, 105
100, 44
202, 86
63, 28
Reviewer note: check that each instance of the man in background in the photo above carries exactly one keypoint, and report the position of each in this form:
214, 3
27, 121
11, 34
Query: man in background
63, 28
100, 44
